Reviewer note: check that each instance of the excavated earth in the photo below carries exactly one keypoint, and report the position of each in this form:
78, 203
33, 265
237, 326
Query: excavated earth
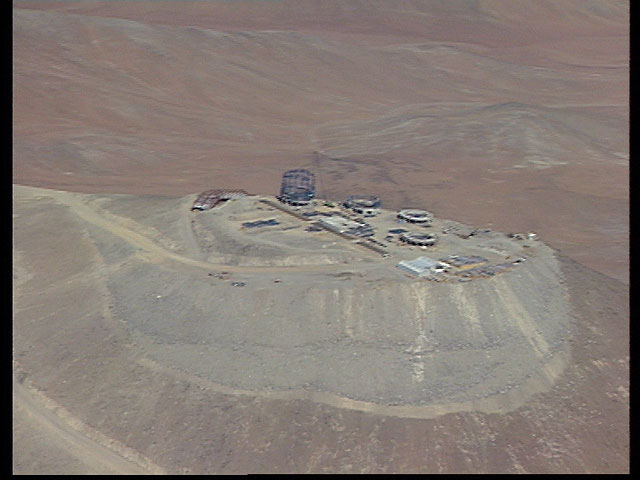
345, 329
331, 327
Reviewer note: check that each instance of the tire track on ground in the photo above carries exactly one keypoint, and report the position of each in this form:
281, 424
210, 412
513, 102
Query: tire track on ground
499, 403
157, 254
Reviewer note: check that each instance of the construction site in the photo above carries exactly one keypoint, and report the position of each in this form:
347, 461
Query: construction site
428, 248
294, 236
388, 309
258, 300
294, 293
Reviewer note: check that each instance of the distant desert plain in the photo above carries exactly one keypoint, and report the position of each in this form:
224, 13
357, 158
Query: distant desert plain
134, 353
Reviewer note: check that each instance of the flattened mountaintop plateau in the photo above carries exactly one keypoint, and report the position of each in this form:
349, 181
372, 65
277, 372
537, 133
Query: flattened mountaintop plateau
139, 291
318, 315
134, 351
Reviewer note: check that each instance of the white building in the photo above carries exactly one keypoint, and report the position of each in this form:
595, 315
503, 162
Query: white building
343, 225
421, 266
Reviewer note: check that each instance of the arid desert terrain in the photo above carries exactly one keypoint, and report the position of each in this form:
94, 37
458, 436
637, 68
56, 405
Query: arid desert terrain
133, 353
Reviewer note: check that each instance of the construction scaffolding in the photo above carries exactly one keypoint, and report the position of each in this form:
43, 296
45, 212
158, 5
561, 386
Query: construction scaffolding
298, 187
419, 239
415, 216
367, 205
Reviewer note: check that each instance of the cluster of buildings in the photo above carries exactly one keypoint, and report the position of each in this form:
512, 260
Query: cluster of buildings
298, 189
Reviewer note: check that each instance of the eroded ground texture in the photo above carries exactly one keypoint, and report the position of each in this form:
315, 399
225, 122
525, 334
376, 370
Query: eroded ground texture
130, 358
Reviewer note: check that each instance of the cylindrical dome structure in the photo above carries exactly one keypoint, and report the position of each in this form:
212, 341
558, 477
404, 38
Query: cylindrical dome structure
419, 239
298, 187
366, 205
415, 216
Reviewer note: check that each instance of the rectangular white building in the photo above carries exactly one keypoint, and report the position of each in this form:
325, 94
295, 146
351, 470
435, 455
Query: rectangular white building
420, 266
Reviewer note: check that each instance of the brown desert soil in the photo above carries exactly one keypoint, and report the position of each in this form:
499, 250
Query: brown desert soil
493, 113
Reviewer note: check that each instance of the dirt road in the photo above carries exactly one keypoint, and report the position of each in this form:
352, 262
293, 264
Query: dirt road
155, 253
95, 453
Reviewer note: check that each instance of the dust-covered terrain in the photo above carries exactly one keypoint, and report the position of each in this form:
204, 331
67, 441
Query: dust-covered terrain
127, 312
333, 325
130, 357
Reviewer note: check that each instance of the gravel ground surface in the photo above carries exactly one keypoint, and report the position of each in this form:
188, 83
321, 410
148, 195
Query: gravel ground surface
376, 336
78, 355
